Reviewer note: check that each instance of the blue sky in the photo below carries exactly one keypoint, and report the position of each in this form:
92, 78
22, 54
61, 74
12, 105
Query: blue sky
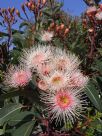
75, 7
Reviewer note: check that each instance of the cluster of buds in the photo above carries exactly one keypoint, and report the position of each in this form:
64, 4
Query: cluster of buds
34, 6
92, 22
60, 30
8, 16
95, 14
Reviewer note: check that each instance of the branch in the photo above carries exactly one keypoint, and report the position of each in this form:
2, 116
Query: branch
92, 2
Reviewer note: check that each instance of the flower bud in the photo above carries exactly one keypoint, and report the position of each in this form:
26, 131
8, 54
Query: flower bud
26, 3
3, 10
9, 9
39, 2
12, 10
12, 19
17, 13
32, 7
91, 11
52, 24
62, 26
5, 18
84, 22
40, 14
99, 16
57, 28
49, 29
43, 2
29, 4
90, 30
23, 8
66, 31
100, 6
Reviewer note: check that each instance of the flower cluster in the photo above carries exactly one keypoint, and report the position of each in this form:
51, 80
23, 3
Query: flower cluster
58, 77
92, 23
59, 29
95, 13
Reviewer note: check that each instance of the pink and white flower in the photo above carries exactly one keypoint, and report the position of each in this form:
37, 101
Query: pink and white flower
17, 77
91, 10
36, 56
78, 80
42, 85
65, 105
65, 60
47, 36
56, 80
99, 16
45, 69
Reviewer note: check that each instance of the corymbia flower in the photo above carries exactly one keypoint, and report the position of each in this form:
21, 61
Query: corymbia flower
99, 16
65, 60
42, 85
36, 56
78, 80
17, 77
57, 74
56, 80
46, 36
45, 69
100, 5
66, 105
90, 30
91, 10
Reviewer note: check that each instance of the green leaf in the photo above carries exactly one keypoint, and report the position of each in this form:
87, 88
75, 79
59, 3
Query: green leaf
57, 43
3, 34
99, 80
23, 117
2, 132
47, 11
31, 94
23, 24
93, 95
8, 112
97, 65
25, 129
10, 95
15, 53
97, 124
58, 7
0, 23
100, 51
18, 40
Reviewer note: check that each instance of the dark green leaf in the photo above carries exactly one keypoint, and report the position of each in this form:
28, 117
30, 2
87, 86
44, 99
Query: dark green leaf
9, 95
93, 95
23, 24
47, 11
97, 124
8, 111
97, 65
25, 129
21, 118
57, 7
